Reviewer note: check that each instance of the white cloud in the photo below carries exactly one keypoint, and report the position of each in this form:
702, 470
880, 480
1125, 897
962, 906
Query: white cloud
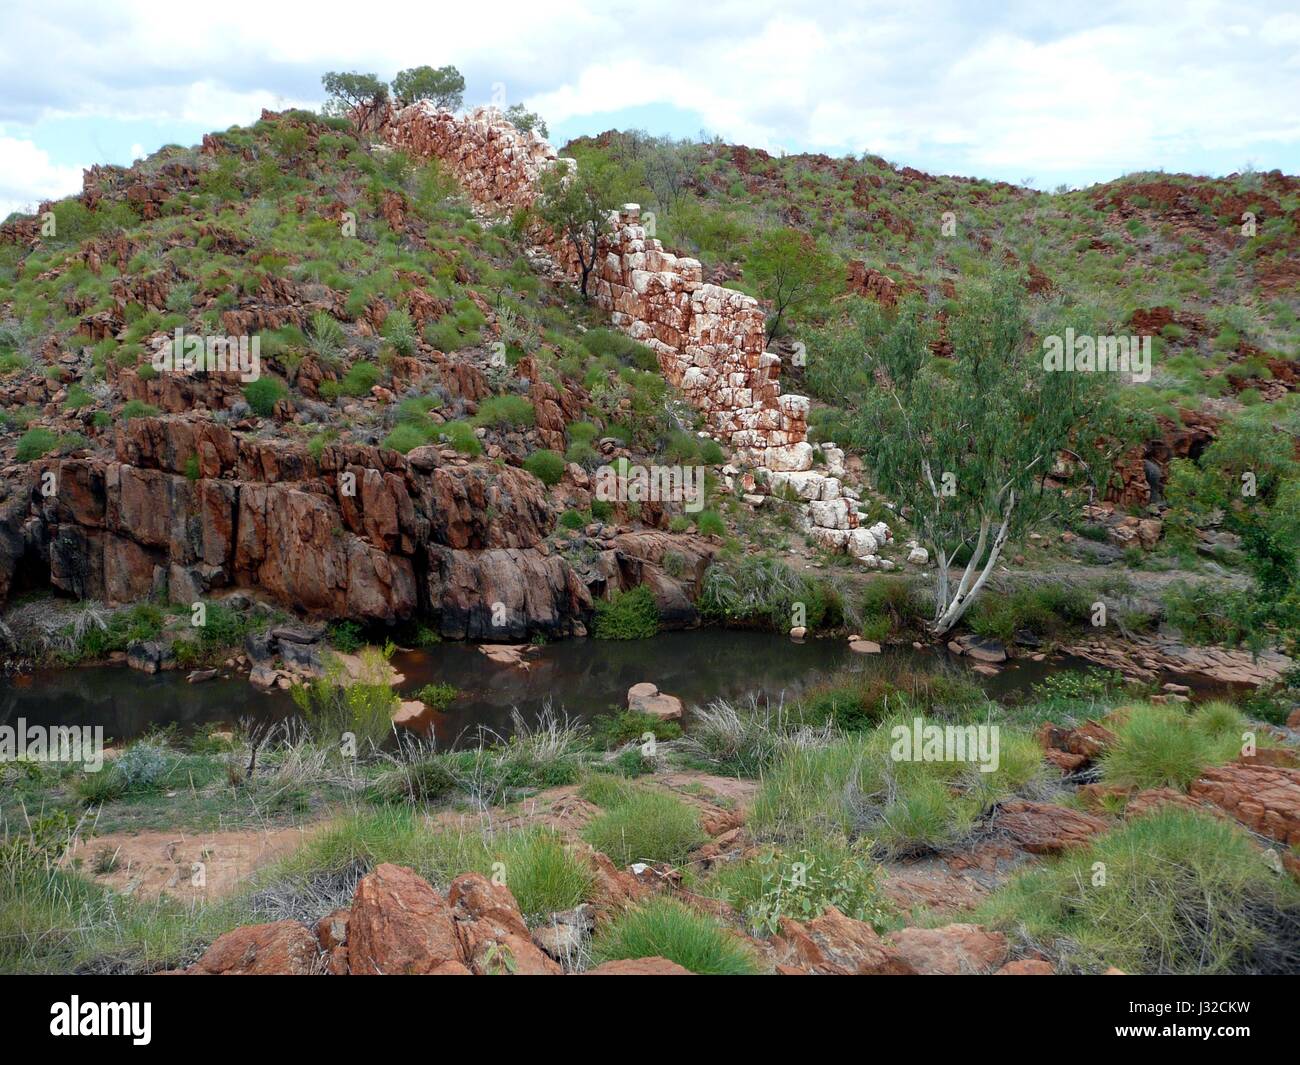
27, 176
1106, 84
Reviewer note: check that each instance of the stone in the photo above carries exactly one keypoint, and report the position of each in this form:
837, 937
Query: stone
283, 948
1027, 967
865, 647
492, 931
953, 950
1045, 828
655, 966
918, 556
645, 698
836, 945
399, 925
1264, 798
415, 716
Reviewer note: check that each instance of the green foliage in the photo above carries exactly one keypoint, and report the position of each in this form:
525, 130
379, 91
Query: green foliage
800, 882
546, 465
137, 408
1163, 746
980, 486
646, 825
445, 86
710, 523
461, 436
437, 696
35, 444
629, 615
337, 704
505, 411
665, 928
793, 271
1184, 893
626, 726
263, 394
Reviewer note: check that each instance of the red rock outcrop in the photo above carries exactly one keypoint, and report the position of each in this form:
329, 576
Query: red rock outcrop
836, 945
400, 926
1264, 798
284, 948
954, 950
1044, 828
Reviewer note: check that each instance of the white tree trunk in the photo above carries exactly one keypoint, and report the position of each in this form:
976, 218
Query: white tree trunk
950, 612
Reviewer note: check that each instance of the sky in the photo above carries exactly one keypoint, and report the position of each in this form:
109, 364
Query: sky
1041, 93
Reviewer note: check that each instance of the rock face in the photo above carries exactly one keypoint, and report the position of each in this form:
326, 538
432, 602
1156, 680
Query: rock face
492, 931
1264, 798
836, 945
359, 532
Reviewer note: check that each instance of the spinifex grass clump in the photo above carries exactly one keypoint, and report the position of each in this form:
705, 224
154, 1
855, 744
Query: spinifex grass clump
666, 929
856, 788
1172, 892
1165, 746
643, 825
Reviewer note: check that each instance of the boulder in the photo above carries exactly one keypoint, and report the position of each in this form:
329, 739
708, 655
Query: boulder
954, 950
639, 967
1027, 967
645, 698
492, 932
1045, 828
283, 948
400, 926
1264, 798
836, 945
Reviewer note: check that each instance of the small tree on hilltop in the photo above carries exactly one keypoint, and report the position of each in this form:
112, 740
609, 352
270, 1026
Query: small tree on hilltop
966, 444
522, 119
360, 96
793, 271
579, 207
444, 86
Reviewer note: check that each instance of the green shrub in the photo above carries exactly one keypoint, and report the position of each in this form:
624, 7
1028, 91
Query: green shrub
665, 928
648, 826
404, 438
1162, 747
508, 411
437, 696
625, 726
399, 331
1183, 893
461, 436
35, 444
801, 882
358, 381
263, 394
137, 408
629, 615
546, 465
